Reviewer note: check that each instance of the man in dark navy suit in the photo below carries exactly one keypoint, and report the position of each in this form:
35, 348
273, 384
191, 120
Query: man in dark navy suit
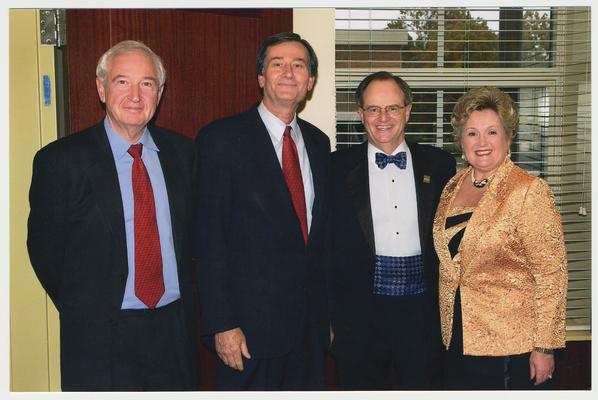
262, 211
109, 237
385, 270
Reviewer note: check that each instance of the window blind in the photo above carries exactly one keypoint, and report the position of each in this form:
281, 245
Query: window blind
540, 56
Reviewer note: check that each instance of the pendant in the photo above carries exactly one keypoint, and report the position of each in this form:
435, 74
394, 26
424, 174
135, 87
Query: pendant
480, 184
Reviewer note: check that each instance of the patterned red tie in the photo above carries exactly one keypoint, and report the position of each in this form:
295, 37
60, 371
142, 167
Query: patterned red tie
292, 175
149, 283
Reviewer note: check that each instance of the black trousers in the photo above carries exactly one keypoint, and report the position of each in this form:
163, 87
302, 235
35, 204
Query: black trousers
303, 368
462, 372
151, 351
490, 373
402, 353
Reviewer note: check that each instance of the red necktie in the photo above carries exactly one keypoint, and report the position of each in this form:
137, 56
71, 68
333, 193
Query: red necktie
292, 175
149, 283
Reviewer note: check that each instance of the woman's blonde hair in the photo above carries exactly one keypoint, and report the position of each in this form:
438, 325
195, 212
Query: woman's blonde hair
482, 98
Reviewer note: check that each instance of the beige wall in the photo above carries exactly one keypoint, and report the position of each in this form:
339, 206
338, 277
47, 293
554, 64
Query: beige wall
316, 25
34, 359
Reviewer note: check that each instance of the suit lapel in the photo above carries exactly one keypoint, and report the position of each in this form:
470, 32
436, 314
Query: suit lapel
258, 150
424, 194
440, 238
359, 190
104, 182
318, 169
175, 187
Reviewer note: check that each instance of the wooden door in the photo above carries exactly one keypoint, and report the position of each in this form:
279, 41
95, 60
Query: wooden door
210, 60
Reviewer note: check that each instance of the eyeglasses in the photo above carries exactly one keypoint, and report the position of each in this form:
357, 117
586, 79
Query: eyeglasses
374, 111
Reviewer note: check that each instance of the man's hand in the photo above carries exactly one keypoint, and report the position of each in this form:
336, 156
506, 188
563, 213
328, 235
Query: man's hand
231, 346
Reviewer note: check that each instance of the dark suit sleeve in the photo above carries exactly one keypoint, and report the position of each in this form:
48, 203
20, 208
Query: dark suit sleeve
45, 234
214, 231
445, 167
450, 170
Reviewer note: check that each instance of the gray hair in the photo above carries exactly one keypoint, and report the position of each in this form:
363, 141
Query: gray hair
123, 47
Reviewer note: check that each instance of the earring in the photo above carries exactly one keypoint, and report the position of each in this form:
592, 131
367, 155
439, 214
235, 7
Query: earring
509, 153
463, 157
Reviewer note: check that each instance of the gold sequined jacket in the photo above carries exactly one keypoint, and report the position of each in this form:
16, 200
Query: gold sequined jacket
511, 267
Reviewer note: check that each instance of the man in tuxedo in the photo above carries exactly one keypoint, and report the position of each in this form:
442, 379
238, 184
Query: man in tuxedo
109, 237
262, 211
384, 267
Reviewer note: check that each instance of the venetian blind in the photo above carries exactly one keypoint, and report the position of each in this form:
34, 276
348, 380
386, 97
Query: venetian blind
540, 56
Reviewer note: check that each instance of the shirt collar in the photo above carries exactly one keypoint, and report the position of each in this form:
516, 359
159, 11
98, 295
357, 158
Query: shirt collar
372, 150
120, 146
274, 125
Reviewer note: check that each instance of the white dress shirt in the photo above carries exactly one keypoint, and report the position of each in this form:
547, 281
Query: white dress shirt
276, 130
394, 206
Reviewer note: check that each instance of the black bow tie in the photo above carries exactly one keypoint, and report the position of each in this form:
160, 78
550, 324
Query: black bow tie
399, 159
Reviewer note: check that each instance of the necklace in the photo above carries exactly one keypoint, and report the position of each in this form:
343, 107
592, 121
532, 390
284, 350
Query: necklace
482, 183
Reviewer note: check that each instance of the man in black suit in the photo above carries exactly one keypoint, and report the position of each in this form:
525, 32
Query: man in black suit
385, 270
262, 211
109, 233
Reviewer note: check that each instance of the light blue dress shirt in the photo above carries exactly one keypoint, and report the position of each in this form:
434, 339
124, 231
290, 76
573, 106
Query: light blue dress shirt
124, 166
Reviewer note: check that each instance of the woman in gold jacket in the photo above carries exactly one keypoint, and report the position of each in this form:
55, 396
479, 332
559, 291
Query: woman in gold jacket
503, 265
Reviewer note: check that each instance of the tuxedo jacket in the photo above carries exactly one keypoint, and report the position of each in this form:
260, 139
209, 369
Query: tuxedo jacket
511, 268
255, 270
77, 246
353, 244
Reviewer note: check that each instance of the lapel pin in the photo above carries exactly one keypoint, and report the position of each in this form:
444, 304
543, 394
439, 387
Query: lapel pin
426, 178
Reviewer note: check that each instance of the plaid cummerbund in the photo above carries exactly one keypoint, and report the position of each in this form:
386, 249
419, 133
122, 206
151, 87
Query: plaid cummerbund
399, 276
